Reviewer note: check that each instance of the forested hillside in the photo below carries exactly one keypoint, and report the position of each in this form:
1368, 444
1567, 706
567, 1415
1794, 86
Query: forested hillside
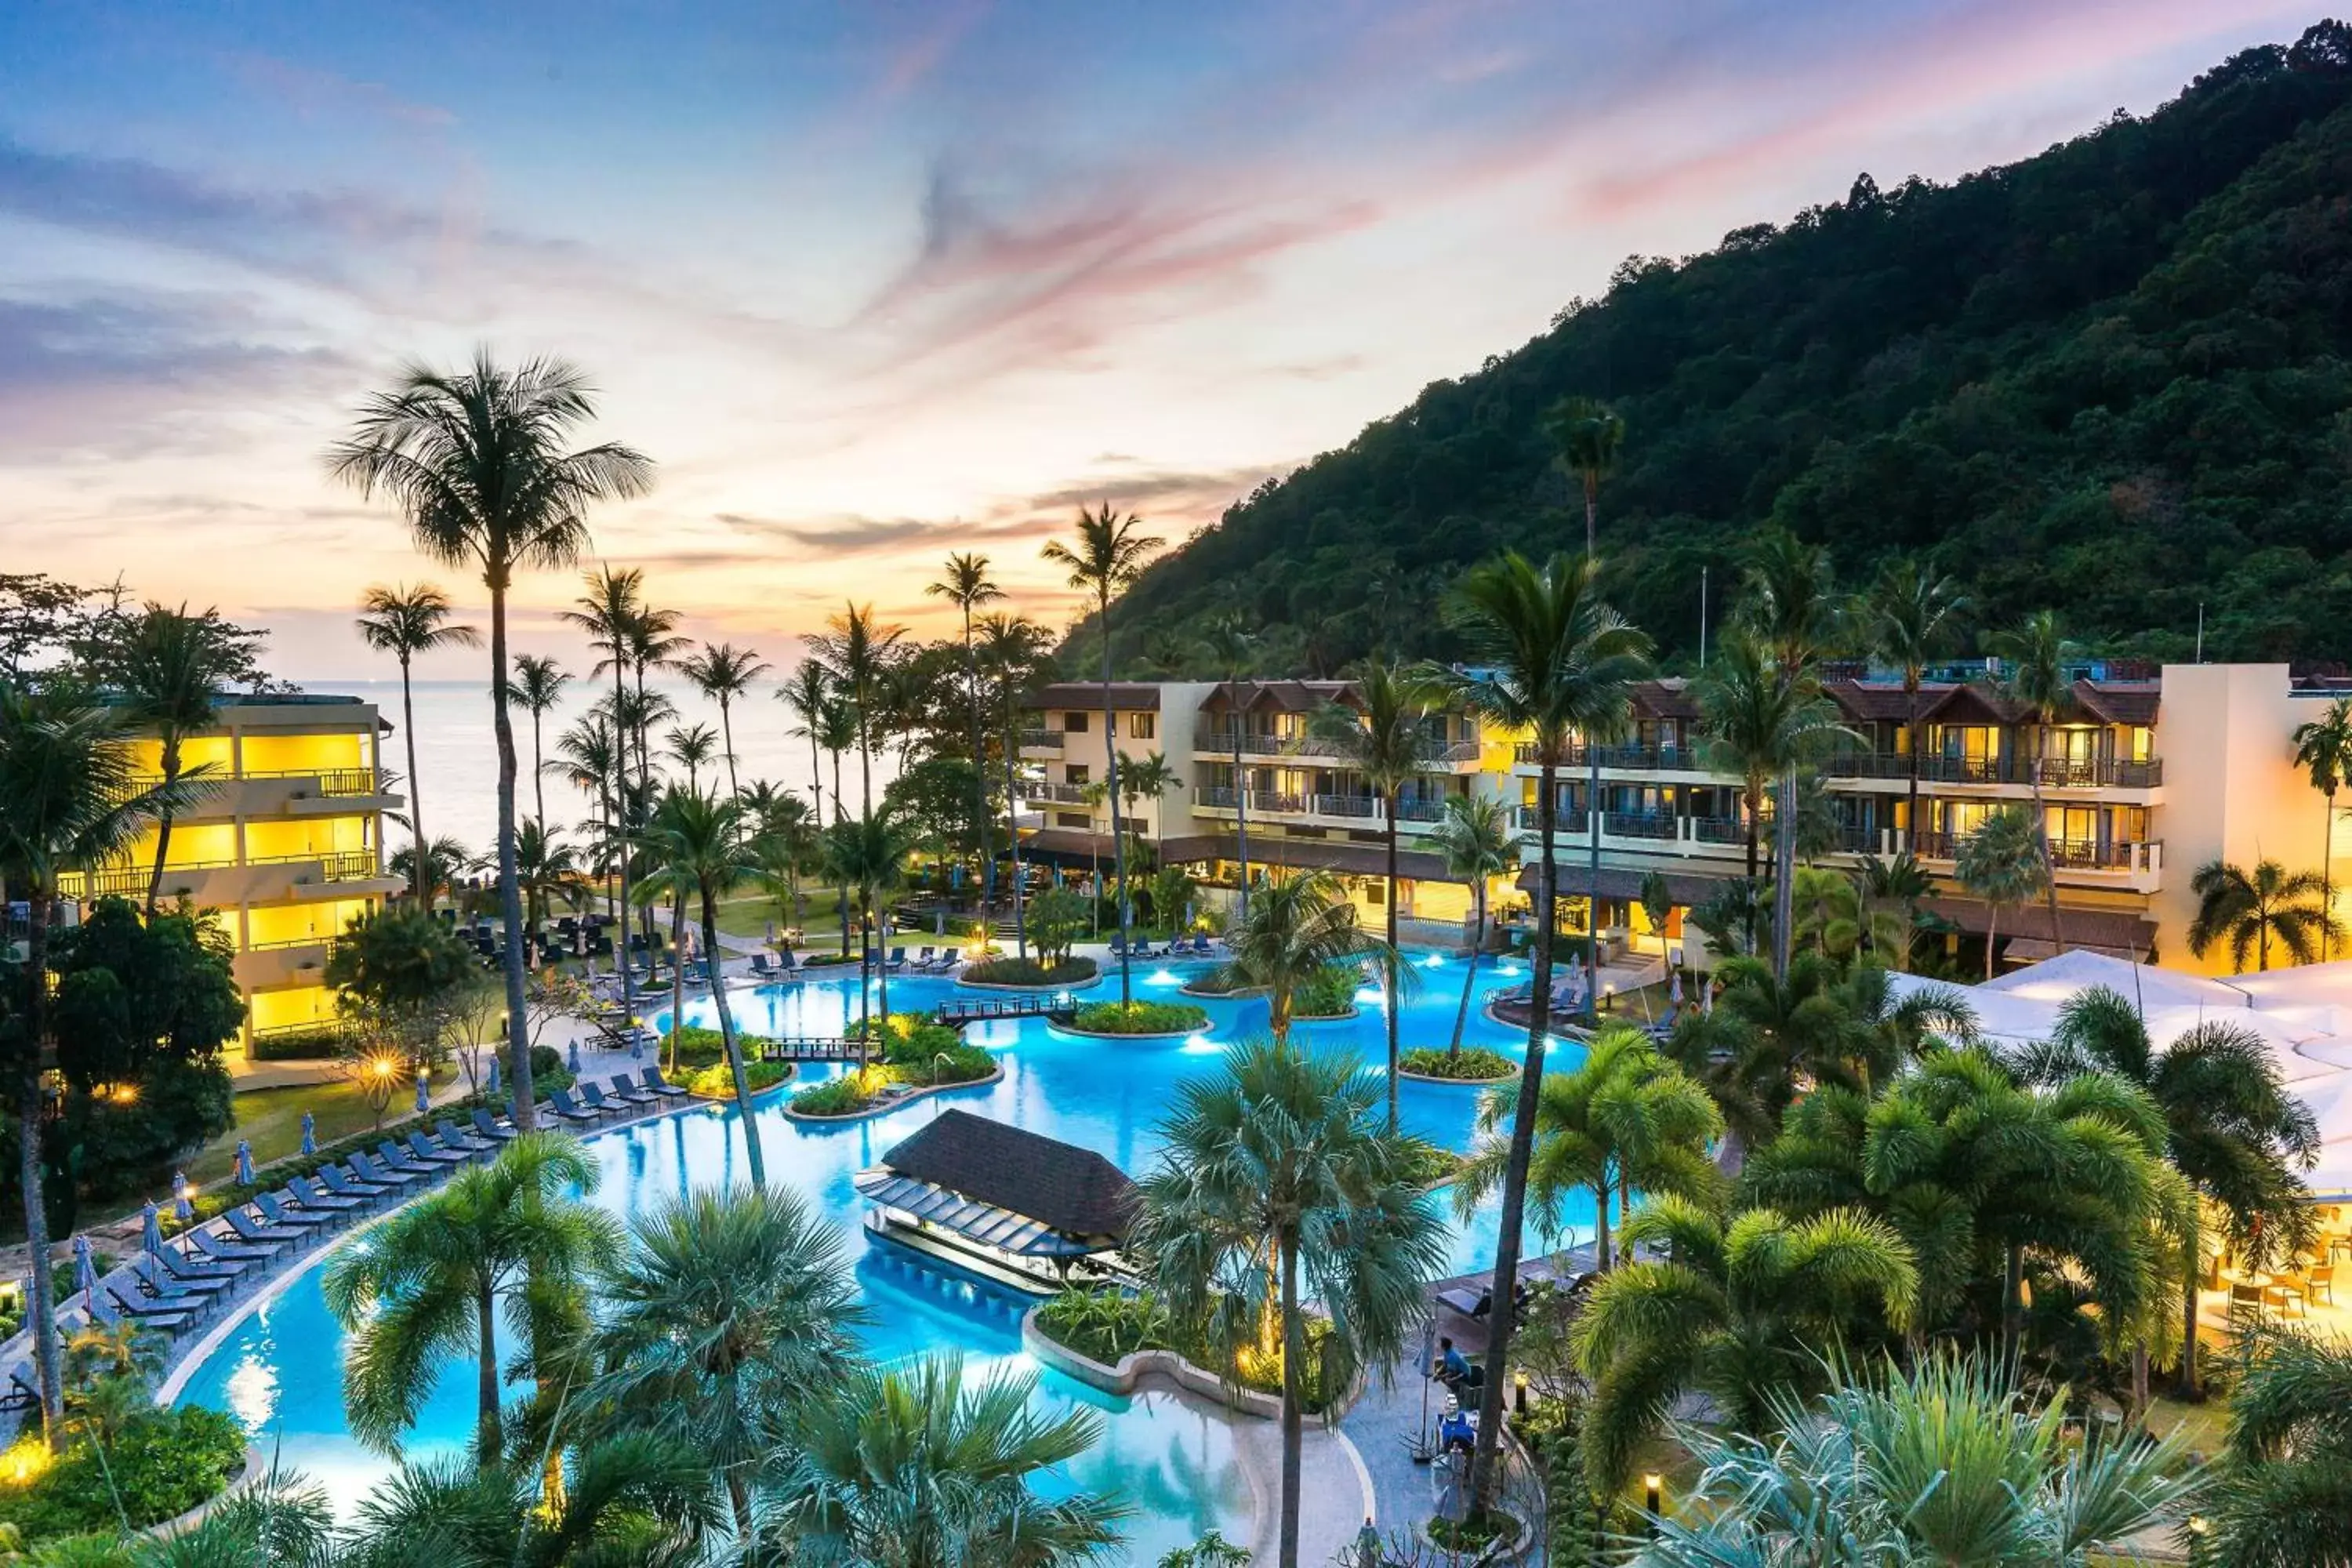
2112, 378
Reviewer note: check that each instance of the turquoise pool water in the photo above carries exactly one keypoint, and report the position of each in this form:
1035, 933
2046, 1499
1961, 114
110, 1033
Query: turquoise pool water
279, 1370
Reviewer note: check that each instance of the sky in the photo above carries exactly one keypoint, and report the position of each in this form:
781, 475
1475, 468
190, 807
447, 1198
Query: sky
873, 281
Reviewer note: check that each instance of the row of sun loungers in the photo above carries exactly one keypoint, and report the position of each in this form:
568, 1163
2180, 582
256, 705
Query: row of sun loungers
1197, 947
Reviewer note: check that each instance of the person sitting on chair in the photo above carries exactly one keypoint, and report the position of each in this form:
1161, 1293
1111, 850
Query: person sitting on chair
1454, 1370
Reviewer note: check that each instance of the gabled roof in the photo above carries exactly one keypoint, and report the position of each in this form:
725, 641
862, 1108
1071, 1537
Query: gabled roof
1665, 699
1069, 1189
1126, 696
1283, 696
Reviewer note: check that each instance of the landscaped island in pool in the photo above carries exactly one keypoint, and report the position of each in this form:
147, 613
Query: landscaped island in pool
279, 1369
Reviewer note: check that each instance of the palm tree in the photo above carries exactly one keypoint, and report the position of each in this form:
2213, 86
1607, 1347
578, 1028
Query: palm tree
587, 759
653, 643
430, 1281
840, 736
966, 585
538, 689
168, 667
2002, 863
808, 694
1945, 1461
1297, 928
723, 1310
1379, 736
605, 611
476, 459
1587, 436
1012, 649
2323, 748
437, 871
691, 747
1625, 1120
71, 801
1147, 777
857, 650
2232, 1129
1557, 662
1760, 721
918, 1466
1791, 609
723, 672
1277, 1189
868, 854
405, 622
1234, 649
547, 868
1892, 892
1738, 1306
2039, 683
1908, 617
641, 1497
696, 844
2287, 1489
2249, 909
1107, 558
1475, 838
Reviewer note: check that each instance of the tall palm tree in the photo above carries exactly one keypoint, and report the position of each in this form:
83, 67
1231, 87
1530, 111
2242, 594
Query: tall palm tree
1909, 617
1147, 777
695, 842
2323, 748
691, 747
435, 871
723, 1309
2038, 654
870, 854
1789, 605
1277, 1189
1587, 436
1558, 662
1381, 736
857, 649
1234, 649
918, 1467
2232, 1129
71, 801
1012, 648
1757, 722
2002, 863
808, 693
1477, 839
840, 736
478, 461
965, 584
1298, 927
723, 672
1627, 1119
1105, 559
655, 642
403, 622
168, 667
430, 1281
2249, 910
587, 759
538, 689
1737, 1306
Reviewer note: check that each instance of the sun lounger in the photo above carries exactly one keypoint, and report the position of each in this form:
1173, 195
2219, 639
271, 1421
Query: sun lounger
628, 1091
655, 1083
400, 1162
20, 1395
1119, 948
147, 1314
278, 1213
187, 1274
160, 1283
311, 1196
593, 1099
924, 958
246, 1228
351, 1186
455, 1137
760, 965
898, 959
421, 1148
369, 1169
492, 1129
1462, 1299
221, 1250
562, 1103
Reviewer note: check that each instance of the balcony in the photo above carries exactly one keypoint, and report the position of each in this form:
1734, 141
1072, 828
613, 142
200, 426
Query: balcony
1222, 742
1566, 822
2066, 854
1426, 808
223, 882
2052, 772
1622, 758
1041, 739
1638, 824
1065, 793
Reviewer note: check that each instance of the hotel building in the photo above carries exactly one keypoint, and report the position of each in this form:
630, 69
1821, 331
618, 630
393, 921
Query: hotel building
285, 847
2152, 774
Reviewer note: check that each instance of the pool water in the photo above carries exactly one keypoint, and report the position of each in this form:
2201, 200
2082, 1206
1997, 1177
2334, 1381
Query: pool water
279, 1369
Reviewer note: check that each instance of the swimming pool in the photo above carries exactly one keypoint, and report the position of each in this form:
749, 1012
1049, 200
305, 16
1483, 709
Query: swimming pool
279, 1369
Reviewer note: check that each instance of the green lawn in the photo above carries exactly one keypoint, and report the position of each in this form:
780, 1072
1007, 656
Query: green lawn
820, 922
271, 1119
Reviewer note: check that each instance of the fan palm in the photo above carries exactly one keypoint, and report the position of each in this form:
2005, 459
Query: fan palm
1475, 838
2231, 1128
1381, 736
695, 843
2247, 911
919, 1467
868, 854
1625, 1120
1297, 928
723, 672
1105, 559
477, 461
168, 667
856, 649
1739, 1306
1013, 649
71, 801
2323, 748
1557, 662
1235, 650
430, 1280
538, 689
723, 1309
1909, 617
2039, 682
1277, 1187
965, 584
2003, 863
405, 622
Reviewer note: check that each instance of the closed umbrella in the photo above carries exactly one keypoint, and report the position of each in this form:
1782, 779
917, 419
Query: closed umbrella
85, 1269
309, 1135
181, 1207
572, 1058
244, 1164
424, 1096
636, 1045
491, 1083
151, 1227
1674, 993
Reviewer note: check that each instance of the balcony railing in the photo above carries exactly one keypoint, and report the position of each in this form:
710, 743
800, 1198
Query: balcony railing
2067, 854
1638, 824
289, 942
1067, 794
1645, 759
1041, 739
2052, 772
335, 866
1459, 751
1216, 797
1257, 743
1563, 821
1719, 829
1424, 809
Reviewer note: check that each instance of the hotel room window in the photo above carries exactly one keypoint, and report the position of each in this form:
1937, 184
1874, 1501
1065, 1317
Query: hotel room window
1143, 726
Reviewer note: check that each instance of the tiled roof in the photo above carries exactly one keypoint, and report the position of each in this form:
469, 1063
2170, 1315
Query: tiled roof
1126, 696
1074, 1190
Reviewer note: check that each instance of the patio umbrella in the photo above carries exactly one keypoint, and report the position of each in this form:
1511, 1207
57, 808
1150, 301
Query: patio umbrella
1674, 992
85, 1268
151, 1227
424, 1096
309, 1135
490, 1084
181, 1207
636, 1045
244, 1164
572, 1059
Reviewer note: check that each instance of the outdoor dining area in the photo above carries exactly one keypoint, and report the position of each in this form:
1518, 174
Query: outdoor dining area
2298, 1289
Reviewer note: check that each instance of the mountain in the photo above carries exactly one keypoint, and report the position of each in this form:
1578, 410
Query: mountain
2111, 380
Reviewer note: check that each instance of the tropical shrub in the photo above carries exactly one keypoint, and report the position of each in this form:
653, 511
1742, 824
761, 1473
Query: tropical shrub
1142, 1017
1104, 1325
1058, 917
1329, 992
1474, 1063
717, 1082
161, 1463
1060, 971
842, 1096
322, 1043
697, 1046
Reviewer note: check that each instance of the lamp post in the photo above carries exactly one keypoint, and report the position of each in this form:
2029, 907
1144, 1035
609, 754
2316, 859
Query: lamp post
1653, 1502
2198, 1528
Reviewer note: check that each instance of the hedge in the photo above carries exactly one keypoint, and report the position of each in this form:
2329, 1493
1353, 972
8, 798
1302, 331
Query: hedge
1030, 971
162, 1464
1141, 1018
297, 1045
